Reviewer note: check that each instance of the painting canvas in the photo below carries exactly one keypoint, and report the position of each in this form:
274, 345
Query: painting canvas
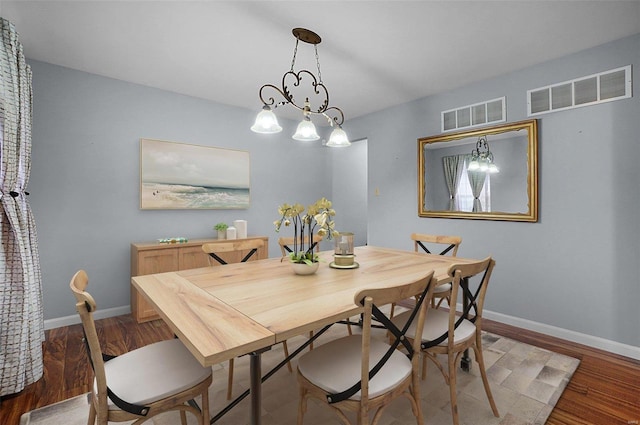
184, 176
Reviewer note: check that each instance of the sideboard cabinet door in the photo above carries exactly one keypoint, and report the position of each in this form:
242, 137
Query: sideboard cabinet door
150, 262
191, 257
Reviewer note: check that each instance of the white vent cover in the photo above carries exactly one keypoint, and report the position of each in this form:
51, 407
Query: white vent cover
593, 89
488, 112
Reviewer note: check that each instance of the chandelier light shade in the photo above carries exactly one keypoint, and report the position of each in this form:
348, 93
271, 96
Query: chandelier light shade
338, 139
267, 122
306, 131
482, 158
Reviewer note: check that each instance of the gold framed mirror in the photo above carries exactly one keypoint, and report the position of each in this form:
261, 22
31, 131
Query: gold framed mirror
502, 183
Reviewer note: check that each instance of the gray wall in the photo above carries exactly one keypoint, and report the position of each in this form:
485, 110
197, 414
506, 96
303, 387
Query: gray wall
85, 179
349, 189
576, 268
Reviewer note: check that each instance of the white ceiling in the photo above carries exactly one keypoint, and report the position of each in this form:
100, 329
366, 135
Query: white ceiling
374, 54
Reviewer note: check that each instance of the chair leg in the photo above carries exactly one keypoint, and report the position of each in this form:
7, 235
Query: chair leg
286, 354
302, 406
452, 387
183, 417
415, 393
230, 380
205, 407
310, 336
363, 417
92, 413
480, 359
102, 416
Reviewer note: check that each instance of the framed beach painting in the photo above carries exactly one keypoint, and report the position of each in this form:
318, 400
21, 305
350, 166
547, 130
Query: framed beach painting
183, 176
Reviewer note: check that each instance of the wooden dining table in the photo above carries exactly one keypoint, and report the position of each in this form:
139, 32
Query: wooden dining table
222, 312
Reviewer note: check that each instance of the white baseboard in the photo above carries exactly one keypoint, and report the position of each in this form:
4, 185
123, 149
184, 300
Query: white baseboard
580, 338
75, 319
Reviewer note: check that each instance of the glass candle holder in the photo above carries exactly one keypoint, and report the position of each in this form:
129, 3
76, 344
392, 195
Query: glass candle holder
343, 252
344, 244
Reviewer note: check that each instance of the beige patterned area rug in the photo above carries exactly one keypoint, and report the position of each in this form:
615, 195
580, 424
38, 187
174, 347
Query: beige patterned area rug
526, 382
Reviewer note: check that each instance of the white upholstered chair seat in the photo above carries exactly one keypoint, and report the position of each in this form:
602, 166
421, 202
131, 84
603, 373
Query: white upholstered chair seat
158, 370
436, 324
442, 289
335, 366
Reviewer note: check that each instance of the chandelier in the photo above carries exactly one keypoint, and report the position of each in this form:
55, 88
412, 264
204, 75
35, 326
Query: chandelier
482, 158
267, 122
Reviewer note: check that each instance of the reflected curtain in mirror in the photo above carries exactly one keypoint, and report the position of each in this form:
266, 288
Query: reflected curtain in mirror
477, 180
453, 166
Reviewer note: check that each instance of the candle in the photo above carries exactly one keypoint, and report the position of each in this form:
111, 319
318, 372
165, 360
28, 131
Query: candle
241, 228
344, 245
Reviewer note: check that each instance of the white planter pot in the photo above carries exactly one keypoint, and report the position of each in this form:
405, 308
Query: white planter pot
304, 268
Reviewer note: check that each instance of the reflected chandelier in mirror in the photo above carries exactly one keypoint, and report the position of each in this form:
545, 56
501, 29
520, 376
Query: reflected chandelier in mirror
487, 174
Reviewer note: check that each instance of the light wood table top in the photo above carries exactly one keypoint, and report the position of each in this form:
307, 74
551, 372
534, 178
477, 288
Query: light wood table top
222, 312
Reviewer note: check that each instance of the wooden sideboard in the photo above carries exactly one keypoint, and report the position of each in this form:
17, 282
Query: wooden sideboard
154, 257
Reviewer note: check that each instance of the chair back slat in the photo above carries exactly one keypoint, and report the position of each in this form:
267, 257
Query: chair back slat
213, 249
481, 270
287, 242
451, 243
86, 306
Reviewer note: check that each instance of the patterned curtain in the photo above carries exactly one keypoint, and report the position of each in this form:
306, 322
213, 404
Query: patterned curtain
21, 315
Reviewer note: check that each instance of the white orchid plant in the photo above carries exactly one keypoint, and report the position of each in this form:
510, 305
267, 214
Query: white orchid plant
318, 216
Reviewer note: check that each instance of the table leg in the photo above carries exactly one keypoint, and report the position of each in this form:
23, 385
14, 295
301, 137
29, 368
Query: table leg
256, 379
465, 361
255, 389
255, 368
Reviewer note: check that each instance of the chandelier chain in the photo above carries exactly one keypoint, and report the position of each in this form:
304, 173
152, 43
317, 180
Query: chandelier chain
295, 52
318, 64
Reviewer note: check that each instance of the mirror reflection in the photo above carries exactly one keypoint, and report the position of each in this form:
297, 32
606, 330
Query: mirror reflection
487, 174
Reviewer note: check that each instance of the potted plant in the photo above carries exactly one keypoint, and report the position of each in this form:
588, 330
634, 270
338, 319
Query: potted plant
318, 216
222, 230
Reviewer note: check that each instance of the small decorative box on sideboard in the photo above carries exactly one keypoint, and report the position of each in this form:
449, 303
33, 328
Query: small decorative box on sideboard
156, 257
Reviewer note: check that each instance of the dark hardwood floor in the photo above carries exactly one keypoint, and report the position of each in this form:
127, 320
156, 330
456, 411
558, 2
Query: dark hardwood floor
604, 390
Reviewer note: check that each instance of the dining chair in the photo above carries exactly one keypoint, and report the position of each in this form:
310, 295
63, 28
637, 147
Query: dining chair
451, 333
216, 251
361, 373
441, 245
143, 383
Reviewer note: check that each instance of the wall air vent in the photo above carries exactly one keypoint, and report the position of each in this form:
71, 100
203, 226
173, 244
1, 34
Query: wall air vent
489, 112
593, 89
